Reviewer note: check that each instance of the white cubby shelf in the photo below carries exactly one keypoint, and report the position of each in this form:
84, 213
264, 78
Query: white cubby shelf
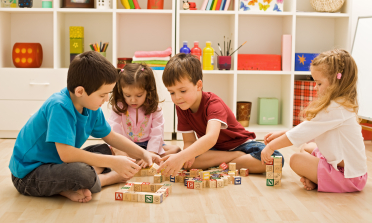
128, 31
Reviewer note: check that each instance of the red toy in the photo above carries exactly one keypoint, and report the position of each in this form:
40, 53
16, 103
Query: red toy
119, 196
27, 55
190, 184
223, 166
259, 62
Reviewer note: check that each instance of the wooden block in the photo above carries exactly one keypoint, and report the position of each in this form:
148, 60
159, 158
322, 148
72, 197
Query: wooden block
277, 176
158, 178
205, 175
269, 168
232, 166
231, 178
158, 186
169, 186
185, 181
137, 187
198, 185
269, 175
172, 179
138, 174
223, 166
193, 172
204, 183
166, 178
236, 172
134, 197
277, 183
141, 197
119, 195
149, 198
144, 172
126, 196
158, 198
277, 169
270, 182
198, 173
226, 180
244, 172
278, 160
220, 183
237, 180
145, 187
208, 183
213, 183
190, 184
164, 190
153, 169
154, 187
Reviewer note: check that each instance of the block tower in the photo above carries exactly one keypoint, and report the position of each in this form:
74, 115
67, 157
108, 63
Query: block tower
274, 172
76, 41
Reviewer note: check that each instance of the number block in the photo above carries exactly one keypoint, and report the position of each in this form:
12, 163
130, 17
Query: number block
119, 195
270, 182
149, 198
220, 183
232, 166
190, 184
223, 166
269, 168
153, 169
277, 183
145, 187
244, 172
198, 185
237, 180
269, 175
172, 179
213, 183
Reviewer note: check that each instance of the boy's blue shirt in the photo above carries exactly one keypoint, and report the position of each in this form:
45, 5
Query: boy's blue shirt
56, 121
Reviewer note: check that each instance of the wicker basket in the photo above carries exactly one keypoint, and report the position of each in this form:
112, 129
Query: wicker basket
327, 5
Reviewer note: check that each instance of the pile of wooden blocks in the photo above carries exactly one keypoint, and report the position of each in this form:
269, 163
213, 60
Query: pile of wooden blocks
274, 172
144, 192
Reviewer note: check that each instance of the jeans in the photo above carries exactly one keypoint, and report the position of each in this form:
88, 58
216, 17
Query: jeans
50, 179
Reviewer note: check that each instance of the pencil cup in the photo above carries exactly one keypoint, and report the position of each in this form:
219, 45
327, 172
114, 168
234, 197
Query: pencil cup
243, 112
103, 4
103, 53
224, 62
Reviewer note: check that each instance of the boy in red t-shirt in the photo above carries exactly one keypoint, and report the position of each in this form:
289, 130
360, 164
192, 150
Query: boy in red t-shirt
221, 138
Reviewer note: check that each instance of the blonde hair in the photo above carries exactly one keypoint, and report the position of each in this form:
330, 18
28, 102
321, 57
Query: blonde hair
343, 91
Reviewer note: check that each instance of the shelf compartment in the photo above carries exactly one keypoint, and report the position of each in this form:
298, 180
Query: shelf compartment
148, 38
251, 87
316, 35
193, 26
20, 27
97, 27
305, 6
143, 5
222, 85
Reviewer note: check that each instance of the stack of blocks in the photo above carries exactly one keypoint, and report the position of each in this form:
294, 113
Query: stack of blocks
76, 41
274, 172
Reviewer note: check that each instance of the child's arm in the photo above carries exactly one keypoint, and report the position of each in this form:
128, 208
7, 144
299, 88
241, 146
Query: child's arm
273, 135
188, 140
122, 143
174, 162
275, 144
121, 164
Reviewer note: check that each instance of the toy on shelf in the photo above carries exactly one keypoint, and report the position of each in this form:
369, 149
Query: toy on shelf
303, 61
27, 55
25, 3
185, 5
261, 5
268, 111
274, 172
155, 4
6, 3
103, 4
243, 112
76, 41
154, 59
46, 4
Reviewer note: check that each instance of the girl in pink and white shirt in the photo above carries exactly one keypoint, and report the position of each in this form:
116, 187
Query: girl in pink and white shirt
136, 112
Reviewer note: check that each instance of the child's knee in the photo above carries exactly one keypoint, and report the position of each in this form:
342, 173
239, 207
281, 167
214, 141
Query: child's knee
295, 160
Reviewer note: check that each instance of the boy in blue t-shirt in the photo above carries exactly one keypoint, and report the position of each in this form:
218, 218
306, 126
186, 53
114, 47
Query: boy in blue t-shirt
46, 159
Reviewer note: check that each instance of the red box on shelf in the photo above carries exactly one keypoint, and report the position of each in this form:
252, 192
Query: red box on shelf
304, 93
367, 135
259, 62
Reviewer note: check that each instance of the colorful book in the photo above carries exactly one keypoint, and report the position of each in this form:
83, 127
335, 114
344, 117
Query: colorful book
136, 5
125, 4
227, 5
223, 5
204, 5
218, 5
131, 4
210, 4
214, 4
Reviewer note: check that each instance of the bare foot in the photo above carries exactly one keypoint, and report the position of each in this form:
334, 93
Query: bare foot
111, 178
308, 184
82, 195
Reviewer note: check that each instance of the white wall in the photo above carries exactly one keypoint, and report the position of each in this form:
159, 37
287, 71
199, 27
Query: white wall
359, 8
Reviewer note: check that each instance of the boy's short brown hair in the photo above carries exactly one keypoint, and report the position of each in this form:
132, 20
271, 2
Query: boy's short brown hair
182, 66
90, 70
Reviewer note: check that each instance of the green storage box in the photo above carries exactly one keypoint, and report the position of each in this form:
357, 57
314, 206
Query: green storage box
268, 111
76, 46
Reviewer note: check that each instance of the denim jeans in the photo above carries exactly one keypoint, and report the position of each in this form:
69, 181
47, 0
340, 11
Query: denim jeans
50, 179
254, 149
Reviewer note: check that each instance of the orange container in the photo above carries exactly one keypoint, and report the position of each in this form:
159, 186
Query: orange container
27, 55
155, 4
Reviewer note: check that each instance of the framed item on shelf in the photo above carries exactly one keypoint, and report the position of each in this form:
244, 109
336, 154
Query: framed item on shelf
77, 3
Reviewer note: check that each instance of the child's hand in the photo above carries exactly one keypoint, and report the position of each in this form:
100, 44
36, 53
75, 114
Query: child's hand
173, 163
125, 166
266, 154
150, 158
189, 163
271, 136
142, 163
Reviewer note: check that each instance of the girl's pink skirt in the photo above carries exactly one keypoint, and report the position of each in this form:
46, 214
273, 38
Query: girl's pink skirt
331, 180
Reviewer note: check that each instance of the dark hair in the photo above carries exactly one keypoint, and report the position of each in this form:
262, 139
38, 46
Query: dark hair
182, 66
90, 70
140, 76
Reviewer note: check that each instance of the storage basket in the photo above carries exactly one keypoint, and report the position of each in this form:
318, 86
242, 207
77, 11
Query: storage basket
327, 5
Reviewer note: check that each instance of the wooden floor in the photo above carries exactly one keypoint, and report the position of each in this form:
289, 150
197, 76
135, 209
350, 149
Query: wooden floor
250, 202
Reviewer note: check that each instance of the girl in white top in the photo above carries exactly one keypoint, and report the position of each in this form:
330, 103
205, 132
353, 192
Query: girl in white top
336, 162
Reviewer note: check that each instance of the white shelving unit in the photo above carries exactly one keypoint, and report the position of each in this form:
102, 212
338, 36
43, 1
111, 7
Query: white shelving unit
22, 91
312, 32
